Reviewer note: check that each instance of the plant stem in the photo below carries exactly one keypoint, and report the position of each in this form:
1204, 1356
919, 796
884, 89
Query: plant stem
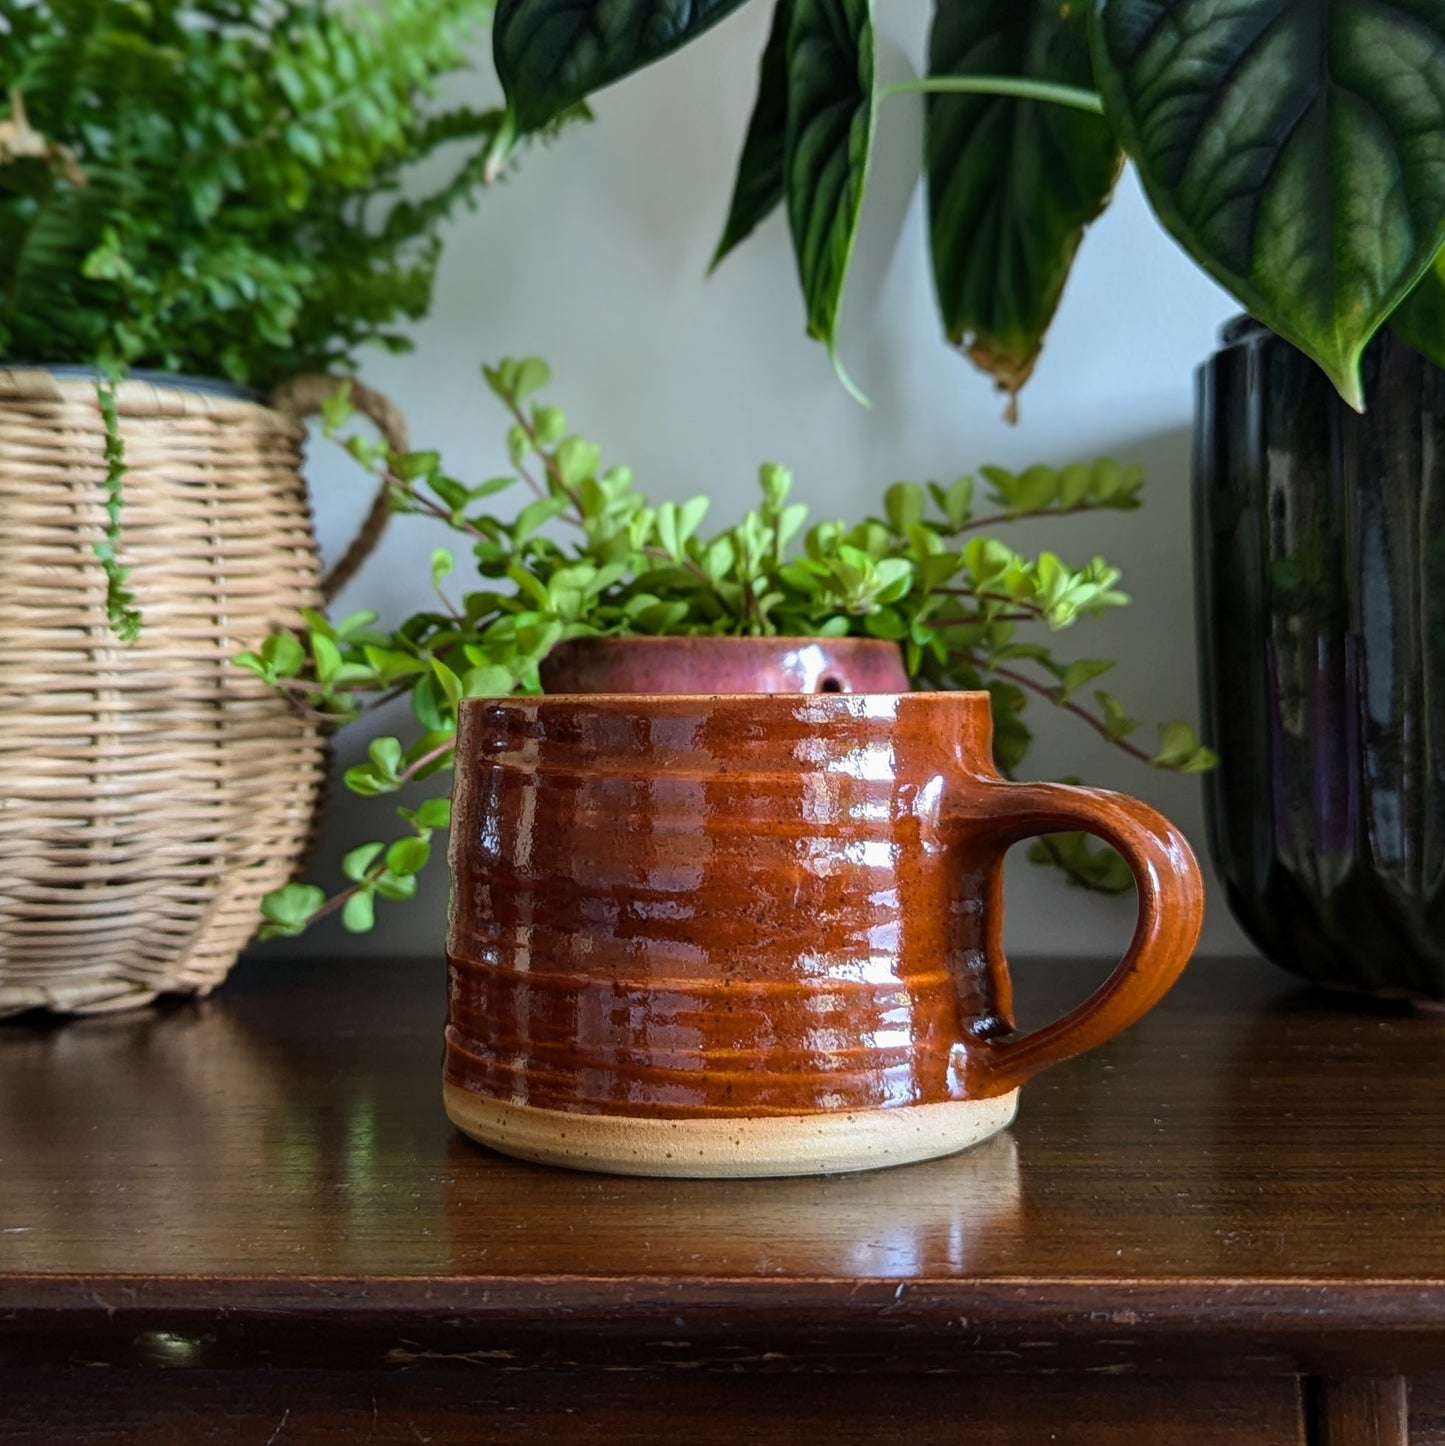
383, 699
988, 597
307, 685
976, 621
335, 902
1009, 85
312, 715
998, 519
537, 489
436, 510
687, 562
548, 461
1044, 691
440, 751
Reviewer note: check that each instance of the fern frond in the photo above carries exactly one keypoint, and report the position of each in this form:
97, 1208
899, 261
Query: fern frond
243, 162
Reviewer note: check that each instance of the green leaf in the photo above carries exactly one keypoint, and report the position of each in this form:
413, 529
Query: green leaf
392, 663
894, 575
550, 425
667, 530
1117, 722
904, 505
304, 145
355, 863
1295, 148
325, 656
535, 514
1076, 675
1180, 749
292, 905
1086, 863
577, 460
442, 563
283, 654
1038, 487
434, 813
790, 519
1012, 183
550, 54
358, 913
530, 585
352, 623
487, 681
691, 514
336, 409
826, 150
363, 779
412, 466
427, 702
397, 886
1420, 318
451, 684
408, 855
759, 185
532, 375
955, 503
385, 755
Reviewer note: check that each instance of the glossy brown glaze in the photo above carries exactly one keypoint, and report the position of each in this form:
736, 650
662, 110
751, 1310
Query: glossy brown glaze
724, 665
751, 906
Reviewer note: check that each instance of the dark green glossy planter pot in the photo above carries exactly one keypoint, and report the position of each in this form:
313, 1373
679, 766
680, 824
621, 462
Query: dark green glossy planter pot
1320, 540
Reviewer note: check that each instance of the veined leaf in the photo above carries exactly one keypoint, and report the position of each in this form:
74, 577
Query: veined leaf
550, 54
827, 141
759, 184
1295, 148
1420, 318
1012, 183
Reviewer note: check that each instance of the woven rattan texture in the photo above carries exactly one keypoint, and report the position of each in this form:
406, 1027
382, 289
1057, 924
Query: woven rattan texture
149, 793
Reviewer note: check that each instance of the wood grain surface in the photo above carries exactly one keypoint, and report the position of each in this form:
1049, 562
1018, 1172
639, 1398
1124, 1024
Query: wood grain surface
1362, 1411
1426, 1399
312, 1408
1251, 1180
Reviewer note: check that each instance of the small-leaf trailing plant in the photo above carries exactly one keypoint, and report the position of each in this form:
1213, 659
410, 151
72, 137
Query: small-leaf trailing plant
1292, 147
589, 555
215, 186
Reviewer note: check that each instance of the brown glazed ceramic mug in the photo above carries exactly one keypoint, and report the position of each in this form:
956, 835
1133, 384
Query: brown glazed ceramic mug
760, 934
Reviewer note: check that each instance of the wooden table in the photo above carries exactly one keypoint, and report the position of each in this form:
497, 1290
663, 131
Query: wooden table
248, 1220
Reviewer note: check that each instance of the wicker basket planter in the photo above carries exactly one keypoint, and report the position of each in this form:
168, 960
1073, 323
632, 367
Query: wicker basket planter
150, 793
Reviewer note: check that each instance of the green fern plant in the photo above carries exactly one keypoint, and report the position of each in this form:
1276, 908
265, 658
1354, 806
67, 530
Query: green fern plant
214, 186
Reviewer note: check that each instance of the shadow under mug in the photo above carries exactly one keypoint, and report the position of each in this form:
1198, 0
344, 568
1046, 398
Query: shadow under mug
760, 934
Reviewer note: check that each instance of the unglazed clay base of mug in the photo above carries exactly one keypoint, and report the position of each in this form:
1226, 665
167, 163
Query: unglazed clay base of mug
736, 1149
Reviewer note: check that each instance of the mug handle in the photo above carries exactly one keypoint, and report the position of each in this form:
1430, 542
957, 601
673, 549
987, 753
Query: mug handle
1171, 910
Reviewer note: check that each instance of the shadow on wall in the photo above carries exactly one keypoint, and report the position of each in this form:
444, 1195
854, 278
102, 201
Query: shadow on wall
1153, 641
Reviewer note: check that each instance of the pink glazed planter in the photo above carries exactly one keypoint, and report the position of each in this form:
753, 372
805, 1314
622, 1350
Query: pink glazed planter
724, 665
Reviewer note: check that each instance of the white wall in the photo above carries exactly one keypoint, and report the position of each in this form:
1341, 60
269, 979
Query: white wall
594, 256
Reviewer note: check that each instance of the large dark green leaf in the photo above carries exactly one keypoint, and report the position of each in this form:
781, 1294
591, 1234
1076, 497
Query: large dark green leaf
1011, 183
827, 141
1420, 318
1296, 148
550, 54
759, 185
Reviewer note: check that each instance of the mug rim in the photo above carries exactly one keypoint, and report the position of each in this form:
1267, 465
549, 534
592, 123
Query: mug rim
770, 639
